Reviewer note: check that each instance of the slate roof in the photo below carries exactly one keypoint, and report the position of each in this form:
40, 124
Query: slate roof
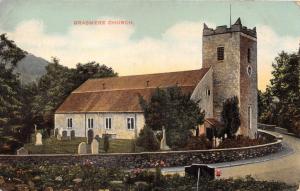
121, 94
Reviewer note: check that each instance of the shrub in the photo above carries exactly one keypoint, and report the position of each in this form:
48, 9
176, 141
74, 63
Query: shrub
106, 143
198, 143
231, 116
178, 138
241, 141
147, 140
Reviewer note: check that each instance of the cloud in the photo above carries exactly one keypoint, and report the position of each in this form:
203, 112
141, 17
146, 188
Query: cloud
179, 48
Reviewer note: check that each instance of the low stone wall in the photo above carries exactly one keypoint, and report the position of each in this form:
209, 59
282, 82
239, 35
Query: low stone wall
149, 159
266, 127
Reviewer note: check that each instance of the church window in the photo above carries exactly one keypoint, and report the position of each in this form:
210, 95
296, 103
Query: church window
220, 53
130, 123
249, 70
108, 123
207, 92
249, 117
70, 123
90, 123
249, 55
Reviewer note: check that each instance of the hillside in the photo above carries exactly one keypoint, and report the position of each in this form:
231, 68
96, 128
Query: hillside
31, 68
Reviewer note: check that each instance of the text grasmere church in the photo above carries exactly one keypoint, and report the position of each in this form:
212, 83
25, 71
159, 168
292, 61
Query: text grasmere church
111, 105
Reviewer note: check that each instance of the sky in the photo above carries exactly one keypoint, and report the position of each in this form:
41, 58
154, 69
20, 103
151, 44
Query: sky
159, 36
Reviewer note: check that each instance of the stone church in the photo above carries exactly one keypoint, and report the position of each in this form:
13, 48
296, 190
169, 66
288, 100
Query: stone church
111, 105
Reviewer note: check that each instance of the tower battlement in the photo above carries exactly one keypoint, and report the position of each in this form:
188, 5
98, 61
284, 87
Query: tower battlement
236, 27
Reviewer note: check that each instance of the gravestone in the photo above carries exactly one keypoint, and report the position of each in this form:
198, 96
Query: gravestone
58, 137
82, 148
22, 151
72, 135
95, 147
163, 142
38, 139
90, 136
64, 135
56, 132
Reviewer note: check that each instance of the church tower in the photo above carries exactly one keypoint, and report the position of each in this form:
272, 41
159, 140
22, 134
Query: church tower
232, 55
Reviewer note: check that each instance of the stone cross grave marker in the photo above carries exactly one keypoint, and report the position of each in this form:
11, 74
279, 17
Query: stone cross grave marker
38, 139
82, 148
95, 147
22, 151
163, 142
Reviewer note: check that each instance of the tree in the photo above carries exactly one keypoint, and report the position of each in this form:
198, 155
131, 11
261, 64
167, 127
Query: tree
147, 139
10, 85
285, 85
89, 70
53, 88
175, 111
231, 116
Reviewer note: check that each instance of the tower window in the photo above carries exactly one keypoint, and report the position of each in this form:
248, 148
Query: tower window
207, 92
220, 53
249, 55
249, 70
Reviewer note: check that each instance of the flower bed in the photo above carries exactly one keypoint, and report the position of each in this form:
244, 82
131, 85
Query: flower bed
89, 177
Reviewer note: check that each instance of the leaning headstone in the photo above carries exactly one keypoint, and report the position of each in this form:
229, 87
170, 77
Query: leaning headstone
163, 142
95, 146
82, 148
38, 139
22, 151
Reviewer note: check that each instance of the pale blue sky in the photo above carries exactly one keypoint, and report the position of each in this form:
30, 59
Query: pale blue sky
151, 17
50, 22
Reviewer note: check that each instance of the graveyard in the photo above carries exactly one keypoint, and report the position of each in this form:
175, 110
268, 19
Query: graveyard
53, 146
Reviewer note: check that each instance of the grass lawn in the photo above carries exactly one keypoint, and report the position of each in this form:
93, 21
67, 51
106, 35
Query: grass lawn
54, 146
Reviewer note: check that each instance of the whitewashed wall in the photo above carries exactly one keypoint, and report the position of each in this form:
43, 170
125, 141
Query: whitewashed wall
119, 124
206, 102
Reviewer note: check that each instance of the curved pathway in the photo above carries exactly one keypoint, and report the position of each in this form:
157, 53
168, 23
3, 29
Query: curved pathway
285, 168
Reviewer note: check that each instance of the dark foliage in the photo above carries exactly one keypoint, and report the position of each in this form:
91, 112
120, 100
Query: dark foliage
198, 143
147, 140
231, 116
280, 103
173, 110
242, 141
